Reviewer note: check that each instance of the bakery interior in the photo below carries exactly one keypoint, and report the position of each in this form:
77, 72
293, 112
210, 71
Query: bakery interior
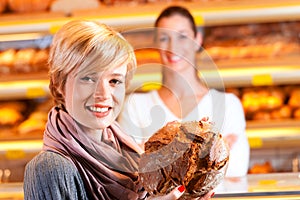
255, 49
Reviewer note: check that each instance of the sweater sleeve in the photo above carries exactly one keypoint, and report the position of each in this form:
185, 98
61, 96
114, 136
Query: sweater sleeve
50, 176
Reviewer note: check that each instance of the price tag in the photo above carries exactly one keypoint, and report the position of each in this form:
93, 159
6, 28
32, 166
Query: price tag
262, 79
199, 20
55, 27
34, 92
255, 142
14, 154
150, 86
267, 182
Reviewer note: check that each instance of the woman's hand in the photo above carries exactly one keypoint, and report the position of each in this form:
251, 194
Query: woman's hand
231, 139
178, 192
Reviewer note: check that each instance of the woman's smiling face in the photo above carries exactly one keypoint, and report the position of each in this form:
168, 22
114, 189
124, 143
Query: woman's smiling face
94, 99
177, 41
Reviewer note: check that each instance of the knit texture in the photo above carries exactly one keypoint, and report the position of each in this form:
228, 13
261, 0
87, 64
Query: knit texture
55, 178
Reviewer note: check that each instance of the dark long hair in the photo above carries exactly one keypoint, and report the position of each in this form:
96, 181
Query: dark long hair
177, 10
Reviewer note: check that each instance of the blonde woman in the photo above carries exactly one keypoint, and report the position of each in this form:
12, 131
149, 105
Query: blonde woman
85, 153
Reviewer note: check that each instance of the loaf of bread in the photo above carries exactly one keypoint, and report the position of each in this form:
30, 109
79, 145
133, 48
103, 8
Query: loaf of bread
188, 153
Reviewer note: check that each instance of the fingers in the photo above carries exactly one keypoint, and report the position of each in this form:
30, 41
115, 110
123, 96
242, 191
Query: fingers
231, 139
205, 119
208, 195
176, 193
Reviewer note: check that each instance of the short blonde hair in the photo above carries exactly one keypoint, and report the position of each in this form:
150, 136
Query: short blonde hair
85, 45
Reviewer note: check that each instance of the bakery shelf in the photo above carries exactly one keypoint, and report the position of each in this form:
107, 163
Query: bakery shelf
208, 13
233, 73
240, 73
125, 16
254, 186
17, 148
20, 89
274, 133
11, 191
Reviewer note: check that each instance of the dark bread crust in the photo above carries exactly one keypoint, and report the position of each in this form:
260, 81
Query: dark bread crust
188, 154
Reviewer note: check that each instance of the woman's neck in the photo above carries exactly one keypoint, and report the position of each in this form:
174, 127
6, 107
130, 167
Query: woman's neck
93, 134
183, 84
181, 93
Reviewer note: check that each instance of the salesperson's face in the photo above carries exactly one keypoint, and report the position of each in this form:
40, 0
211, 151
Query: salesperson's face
94, 99
177, 42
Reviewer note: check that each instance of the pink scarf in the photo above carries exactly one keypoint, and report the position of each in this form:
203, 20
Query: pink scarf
108, 167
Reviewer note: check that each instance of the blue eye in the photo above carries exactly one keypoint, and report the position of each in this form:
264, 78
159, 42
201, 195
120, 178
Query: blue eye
87, 79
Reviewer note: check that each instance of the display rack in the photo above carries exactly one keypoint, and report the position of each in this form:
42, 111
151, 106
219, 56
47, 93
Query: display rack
125, 17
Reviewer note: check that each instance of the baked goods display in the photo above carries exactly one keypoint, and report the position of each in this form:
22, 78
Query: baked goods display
22, 118
27, 60
23, 60
3, 4
269, 102
7, 58
11, 113
246, 41
261, 168
147, 56
66, 6
191, 153
29, 5
35, 123
40, 60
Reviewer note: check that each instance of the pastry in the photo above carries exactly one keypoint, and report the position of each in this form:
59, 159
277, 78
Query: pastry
294, 100
9, 117
7, 58
35, 124
40, 60
23, 60
188, 153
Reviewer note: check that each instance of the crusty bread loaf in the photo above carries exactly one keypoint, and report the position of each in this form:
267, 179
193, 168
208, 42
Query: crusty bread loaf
188, 153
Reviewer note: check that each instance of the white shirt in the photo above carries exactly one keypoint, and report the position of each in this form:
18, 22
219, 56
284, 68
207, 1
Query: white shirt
144, 113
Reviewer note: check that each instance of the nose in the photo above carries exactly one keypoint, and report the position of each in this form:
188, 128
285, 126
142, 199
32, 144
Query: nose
173, 46
102, 90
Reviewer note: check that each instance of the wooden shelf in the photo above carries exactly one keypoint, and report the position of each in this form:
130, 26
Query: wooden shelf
143, 15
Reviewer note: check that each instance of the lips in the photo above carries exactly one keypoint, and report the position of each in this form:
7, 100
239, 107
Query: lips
99, 111
173, 58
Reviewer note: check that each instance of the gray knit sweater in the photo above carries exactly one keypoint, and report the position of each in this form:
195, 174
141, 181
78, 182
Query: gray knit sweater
51, 176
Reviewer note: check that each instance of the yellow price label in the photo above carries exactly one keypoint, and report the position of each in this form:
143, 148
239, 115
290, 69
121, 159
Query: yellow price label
267, 182
262, 79
199, 20
14, 154
255, 142
34, 92
54, 28
150, 86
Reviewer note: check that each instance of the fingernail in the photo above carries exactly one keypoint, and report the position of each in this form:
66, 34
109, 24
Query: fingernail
212, 195
181, 189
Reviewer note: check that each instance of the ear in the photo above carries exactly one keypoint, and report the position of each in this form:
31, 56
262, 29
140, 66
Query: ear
198, 40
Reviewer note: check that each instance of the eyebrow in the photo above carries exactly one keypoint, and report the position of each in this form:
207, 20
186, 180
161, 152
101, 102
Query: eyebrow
119, 74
